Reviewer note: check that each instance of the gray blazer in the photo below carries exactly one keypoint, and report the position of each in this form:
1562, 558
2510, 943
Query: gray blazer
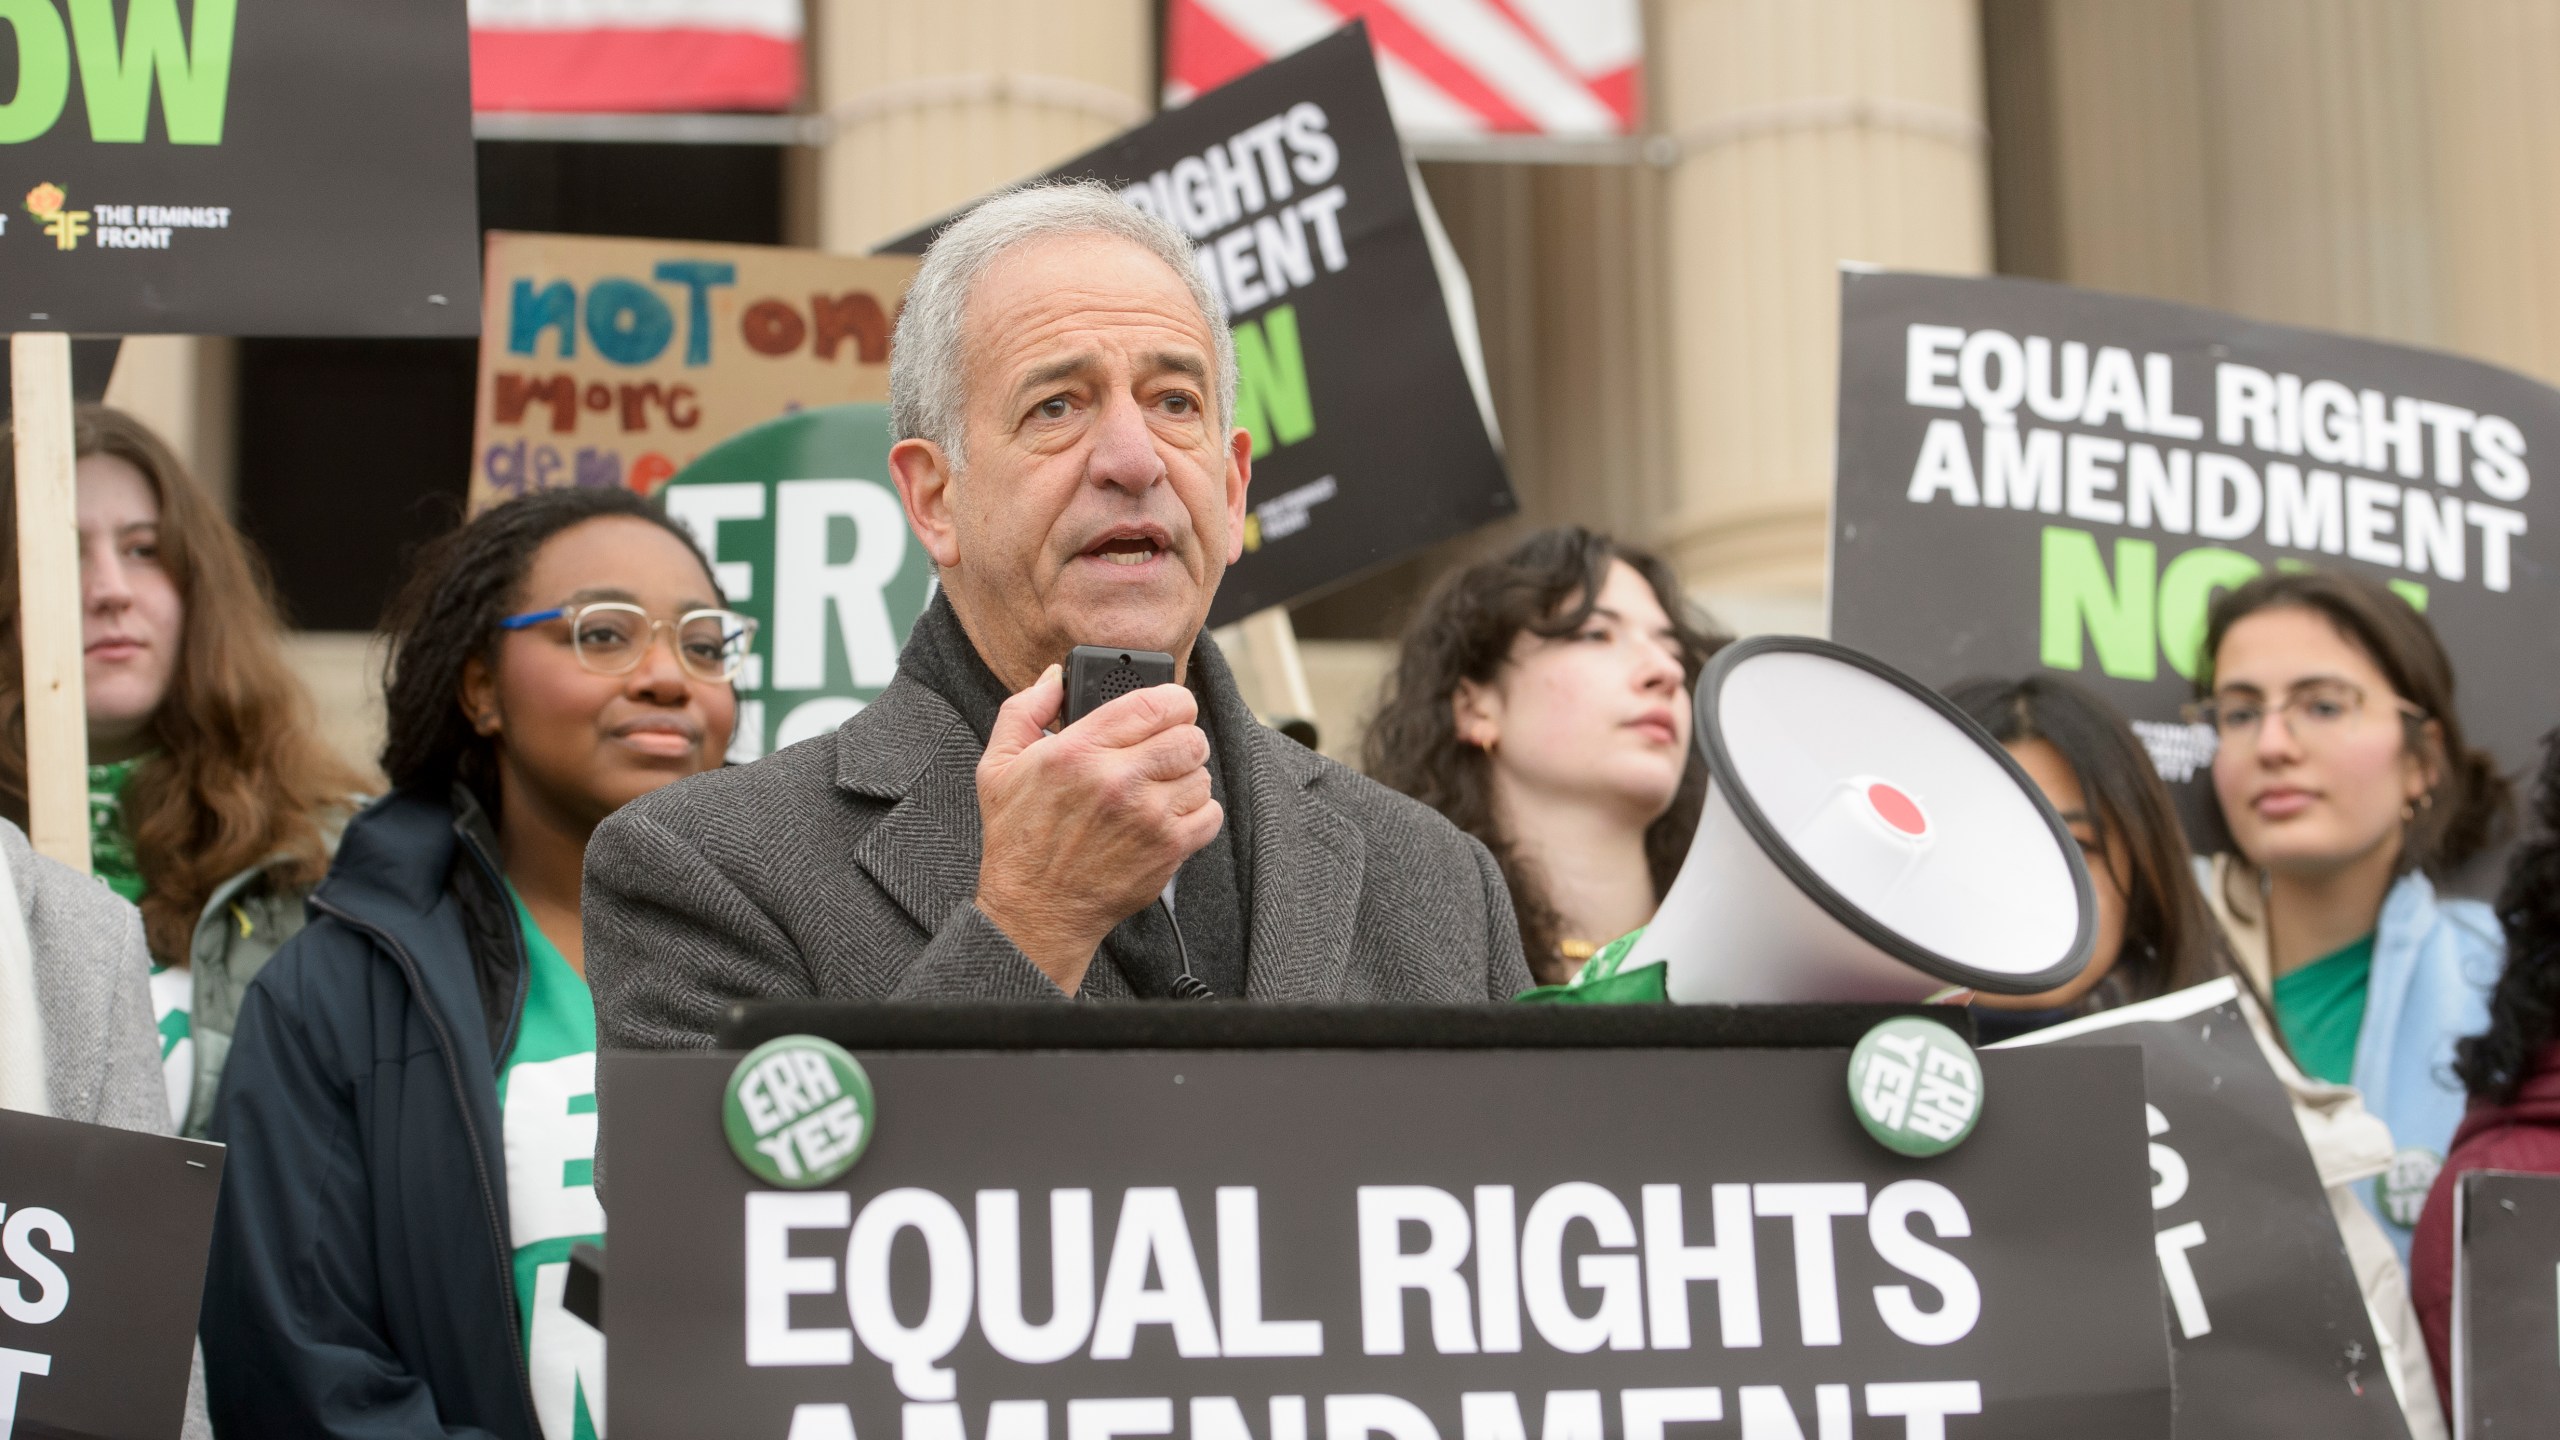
845, 865
93, 987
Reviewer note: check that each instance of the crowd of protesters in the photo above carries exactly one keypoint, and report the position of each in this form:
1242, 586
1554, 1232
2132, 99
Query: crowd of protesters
376, 990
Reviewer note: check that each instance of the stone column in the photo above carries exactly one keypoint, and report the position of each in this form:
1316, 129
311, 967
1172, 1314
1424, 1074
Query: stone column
934, 104
1810, 132
2496, 145
181, 386
2099, 157
2322, 210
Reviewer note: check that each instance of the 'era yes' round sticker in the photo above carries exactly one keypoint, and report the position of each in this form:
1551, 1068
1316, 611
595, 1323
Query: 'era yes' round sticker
1916, 1086
798, 1112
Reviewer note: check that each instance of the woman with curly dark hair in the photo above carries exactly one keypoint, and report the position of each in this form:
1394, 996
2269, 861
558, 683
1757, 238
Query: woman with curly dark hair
1541, 702
2512, 1070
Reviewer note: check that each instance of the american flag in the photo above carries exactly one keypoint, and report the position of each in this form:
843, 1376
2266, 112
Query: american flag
1452, 68
635, 55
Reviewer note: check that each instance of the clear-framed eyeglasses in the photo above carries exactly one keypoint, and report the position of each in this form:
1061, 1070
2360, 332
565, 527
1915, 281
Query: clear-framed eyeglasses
2313, 711
610, 637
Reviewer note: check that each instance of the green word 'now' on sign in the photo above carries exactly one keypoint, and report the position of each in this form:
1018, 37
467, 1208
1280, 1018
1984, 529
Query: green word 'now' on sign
118, 71
804, 532
2145, 613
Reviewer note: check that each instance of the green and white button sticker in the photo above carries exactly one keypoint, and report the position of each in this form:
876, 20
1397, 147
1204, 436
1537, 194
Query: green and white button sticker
799, 1111
1916, 1086
2402, 1189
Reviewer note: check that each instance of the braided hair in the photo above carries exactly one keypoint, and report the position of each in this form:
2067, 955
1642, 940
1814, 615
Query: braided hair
464, 584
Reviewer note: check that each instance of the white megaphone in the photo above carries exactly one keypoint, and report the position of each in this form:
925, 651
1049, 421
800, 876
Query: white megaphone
1863, 839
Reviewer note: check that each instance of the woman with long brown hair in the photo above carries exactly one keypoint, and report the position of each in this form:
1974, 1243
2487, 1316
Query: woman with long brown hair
211, 796
2348, 790
1541, 703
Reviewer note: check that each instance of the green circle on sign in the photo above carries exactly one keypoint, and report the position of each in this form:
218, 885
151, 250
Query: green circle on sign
798, 1112
1916, 1086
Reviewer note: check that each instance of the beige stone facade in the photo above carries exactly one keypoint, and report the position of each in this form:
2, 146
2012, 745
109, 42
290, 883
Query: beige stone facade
1660, 333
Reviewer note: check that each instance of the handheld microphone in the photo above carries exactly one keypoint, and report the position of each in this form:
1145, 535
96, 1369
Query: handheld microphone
1096, 676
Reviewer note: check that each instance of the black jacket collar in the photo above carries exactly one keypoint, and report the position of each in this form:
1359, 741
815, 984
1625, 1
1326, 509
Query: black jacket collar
402, 861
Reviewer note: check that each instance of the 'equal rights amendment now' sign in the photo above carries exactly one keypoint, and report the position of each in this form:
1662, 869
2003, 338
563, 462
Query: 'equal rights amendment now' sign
2034, 477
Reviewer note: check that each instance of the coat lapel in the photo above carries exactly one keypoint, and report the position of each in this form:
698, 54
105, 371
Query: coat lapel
912, 752
1306, 876
905, 750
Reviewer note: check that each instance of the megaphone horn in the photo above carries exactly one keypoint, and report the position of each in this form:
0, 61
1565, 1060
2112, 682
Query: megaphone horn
1862, 839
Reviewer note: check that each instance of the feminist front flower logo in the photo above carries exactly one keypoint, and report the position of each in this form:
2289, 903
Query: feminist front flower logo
45, 202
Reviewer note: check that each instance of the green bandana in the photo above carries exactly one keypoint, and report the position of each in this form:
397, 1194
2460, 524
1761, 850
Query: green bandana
110, 846
1601, 982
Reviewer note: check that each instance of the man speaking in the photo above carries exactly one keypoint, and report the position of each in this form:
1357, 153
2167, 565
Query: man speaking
1063, 390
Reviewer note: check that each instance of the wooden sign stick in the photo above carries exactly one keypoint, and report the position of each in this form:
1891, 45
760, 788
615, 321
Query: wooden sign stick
1271, 643
49, 599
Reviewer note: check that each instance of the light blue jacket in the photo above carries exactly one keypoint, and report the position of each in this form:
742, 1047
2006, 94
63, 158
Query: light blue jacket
2434, 961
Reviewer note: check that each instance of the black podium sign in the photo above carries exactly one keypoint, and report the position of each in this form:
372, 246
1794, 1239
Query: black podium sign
1314, 1245
2506, 1304
102, 1246
2267, 1326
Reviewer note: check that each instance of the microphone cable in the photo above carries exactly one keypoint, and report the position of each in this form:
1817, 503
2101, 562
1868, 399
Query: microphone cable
1185, 986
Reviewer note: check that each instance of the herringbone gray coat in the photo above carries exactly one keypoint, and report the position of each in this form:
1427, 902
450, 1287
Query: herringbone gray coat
845, 865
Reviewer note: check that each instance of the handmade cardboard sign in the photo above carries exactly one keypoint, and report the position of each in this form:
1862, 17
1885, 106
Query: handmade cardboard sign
617, 362
2036, 478
288, 167
805, 534
1368, 443
2268, 1328
102, 1245
1248, 1245
2506, 1304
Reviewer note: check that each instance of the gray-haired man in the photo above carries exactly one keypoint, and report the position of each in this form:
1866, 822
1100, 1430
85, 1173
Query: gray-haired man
1064, 394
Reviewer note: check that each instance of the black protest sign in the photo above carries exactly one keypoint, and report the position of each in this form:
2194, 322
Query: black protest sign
288, 167
2033, 477
1367, 441
1454, 1245
2506, 1304
102, 1245
2267, 1327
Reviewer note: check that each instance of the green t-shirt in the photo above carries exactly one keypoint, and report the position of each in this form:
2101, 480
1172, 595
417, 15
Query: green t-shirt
547, 1101
2320, 1008
173, 1003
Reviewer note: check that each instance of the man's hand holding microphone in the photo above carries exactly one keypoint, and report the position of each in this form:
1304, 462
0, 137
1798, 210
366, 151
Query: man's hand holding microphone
1084, 827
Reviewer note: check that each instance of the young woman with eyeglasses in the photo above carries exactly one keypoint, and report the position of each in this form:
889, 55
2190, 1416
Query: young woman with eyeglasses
410, 1102
2348, 790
